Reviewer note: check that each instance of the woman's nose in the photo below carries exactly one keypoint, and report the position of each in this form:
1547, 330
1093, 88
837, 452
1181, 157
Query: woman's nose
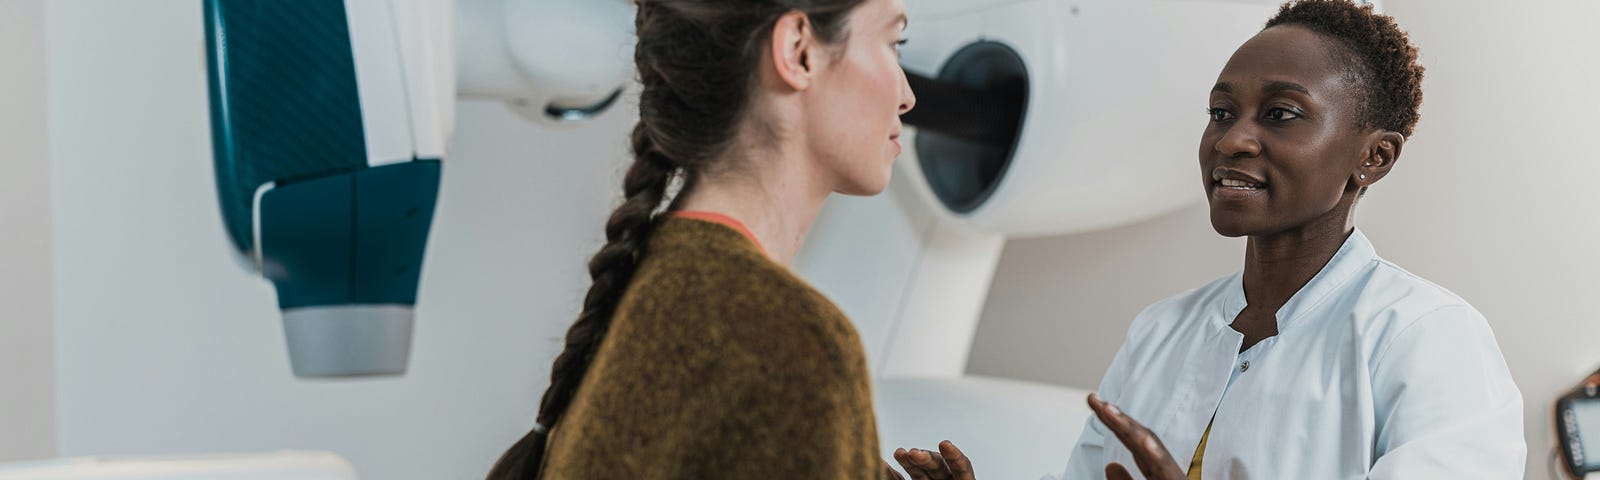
908, 99
1238, 142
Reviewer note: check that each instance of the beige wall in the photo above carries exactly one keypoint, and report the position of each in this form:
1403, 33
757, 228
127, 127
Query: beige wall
1495, 198
27, 374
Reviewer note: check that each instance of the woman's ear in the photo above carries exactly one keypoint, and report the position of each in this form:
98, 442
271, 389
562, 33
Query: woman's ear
1380, 157
791, 47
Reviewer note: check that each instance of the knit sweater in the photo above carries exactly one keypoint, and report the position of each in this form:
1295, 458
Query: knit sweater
720, 363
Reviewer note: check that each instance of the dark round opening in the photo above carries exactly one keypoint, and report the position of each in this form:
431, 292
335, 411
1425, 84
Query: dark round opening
963, 170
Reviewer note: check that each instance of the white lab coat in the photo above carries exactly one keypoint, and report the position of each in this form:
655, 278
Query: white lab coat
1375, 374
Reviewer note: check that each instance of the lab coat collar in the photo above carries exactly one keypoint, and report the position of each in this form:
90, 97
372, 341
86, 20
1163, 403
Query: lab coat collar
1357, 252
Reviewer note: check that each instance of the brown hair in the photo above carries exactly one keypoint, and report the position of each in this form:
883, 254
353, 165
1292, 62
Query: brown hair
698, 62
1383, 60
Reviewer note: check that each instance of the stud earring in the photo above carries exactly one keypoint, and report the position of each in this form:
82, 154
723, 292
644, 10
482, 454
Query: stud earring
1363, 176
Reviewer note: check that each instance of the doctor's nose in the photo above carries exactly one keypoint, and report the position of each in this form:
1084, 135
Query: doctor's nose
1238, 142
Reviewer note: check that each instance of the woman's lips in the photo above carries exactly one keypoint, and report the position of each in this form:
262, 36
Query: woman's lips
1232, 184
1240, 184
1236, 190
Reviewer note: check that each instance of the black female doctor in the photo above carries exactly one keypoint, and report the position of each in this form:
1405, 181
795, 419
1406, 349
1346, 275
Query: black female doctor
1319, 359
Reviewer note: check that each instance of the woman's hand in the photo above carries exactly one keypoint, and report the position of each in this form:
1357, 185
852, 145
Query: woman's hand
946, 464
893, 475
1148, 452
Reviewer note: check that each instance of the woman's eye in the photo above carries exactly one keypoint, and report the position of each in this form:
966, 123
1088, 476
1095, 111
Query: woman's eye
1219, 115
1282, 114
898, 44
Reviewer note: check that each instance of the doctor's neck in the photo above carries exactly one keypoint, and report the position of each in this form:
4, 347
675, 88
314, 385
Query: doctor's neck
1278, 265
776, 193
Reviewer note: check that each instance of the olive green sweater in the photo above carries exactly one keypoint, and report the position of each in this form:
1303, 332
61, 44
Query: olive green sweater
720, 363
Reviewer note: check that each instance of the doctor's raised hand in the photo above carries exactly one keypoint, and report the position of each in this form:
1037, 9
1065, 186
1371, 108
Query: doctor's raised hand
1149, 455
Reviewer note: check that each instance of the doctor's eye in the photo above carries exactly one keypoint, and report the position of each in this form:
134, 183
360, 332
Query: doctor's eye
1219, 115
1280, 114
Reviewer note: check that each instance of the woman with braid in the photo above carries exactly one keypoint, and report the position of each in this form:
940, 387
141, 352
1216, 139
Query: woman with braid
1318, 359
698, 353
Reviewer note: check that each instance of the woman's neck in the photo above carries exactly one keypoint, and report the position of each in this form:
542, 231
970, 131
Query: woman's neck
776, 196
1277, 266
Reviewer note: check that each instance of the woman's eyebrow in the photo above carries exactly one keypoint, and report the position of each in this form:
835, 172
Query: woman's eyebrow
900, 20
1272, 86
1280, 86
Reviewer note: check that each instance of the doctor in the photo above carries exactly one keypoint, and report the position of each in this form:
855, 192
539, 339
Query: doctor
1319, 359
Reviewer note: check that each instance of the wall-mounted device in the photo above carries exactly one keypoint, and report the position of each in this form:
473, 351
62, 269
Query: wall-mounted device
1577, 417
329, 122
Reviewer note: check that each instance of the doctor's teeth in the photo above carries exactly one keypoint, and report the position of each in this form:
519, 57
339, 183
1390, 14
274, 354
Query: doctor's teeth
1239, 184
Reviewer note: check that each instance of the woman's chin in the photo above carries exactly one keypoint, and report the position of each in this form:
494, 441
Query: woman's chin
864, 189
867, 185
1229, 226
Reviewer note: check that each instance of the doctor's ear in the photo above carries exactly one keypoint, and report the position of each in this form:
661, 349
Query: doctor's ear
792, 44
1379, 158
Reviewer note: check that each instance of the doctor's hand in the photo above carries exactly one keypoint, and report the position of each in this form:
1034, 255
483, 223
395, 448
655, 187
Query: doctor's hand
1148, 452
946, 464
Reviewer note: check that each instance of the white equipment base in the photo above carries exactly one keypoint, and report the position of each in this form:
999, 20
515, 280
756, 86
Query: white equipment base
283, 465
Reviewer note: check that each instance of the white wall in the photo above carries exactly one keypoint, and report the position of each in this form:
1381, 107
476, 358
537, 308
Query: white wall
166, 346
1494, 199
27, 371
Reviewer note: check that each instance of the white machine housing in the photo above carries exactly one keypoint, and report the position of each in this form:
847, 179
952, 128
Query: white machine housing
1117, 90
1116, 102
555, 62
403, 58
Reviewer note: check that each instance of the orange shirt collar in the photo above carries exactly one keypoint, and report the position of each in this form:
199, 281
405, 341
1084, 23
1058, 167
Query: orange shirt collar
725, 220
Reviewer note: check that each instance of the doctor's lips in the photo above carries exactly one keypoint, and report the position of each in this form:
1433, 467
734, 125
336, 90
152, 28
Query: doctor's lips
1230, 179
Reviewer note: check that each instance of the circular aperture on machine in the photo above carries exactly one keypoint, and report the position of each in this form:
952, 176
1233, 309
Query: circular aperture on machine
971, 118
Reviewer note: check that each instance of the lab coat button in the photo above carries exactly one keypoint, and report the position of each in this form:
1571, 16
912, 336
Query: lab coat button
1244, 367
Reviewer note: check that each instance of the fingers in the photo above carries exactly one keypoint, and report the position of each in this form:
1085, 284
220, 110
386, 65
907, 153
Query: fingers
1130, 432
893, 475
903, 457
1115, 471
1126, 430
1149, 454
1112, 417
909, 460
923, 464
935, 466
960, 466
